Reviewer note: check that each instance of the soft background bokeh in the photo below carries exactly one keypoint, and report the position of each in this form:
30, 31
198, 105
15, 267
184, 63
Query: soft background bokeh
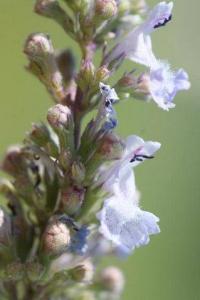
169, 268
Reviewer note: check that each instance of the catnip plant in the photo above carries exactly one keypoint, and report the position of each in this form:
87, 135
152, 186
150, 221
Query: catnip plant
70, 196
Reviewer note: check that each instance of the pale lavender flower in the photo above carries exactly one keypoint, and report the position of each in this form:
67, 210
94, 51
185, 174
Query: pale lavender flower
121, 219
164, 85
137, 44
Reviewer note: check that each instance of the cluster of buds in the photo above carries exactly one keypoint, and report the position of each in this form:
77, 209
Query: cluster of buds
71, 196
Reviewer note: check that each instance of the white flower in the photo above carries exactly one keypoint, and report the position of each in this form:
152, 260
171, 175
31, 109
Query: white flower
121, 219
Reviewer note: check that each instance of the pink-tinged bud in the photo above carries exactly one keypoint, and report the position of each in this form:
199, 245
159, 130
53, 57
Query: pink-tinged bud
106, 9
13, 161
46, 8
111, 147
5, 228
37, 46
112, 279
127, 81
102, 74
72, 199
59, 117
84, 272
56, 237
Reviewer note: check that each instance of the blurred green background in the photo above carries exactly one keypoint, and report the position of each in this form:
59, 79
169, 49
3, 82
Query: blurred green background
169, 267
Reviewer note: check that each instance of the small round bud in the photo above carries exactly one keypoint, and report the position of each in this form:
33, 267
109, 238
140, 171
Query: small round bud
45, 7
59, 116
5, 228
102, 74
56, 237
72, 199
112, 147
38, 45
83, 272
13, 161
106, 9
124, 7
112, 279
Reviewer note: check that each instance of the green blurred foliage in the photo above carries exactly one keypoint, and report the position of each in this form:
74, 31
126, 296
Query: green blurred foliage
169, 267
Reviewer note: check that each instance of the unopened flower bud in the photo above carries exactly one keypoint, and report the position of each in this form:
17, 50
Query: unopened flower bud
77, 171
13, 161
14, 271
127, 81
56, 237
37, 46
83, 272
72, 199
112, 147
47, 8
65, 158
112, 279
34, 270
138, 6
39, 134
59, 116
86, 75
106, 9
124, 7
5, 228
102, 74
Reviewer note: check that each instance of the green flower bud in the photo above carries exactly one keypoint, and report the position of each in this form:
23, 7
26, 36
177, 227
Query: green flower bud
102, 74
77, 171
56, 237
72, 198
86, 75
34, 270
112, 279
39, 134
83, 272
14, 271
105, 9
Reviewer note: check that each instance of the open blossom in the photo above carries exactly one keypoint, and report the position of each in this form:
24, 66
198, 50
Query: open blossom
121, 219
164, 85
137, 46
